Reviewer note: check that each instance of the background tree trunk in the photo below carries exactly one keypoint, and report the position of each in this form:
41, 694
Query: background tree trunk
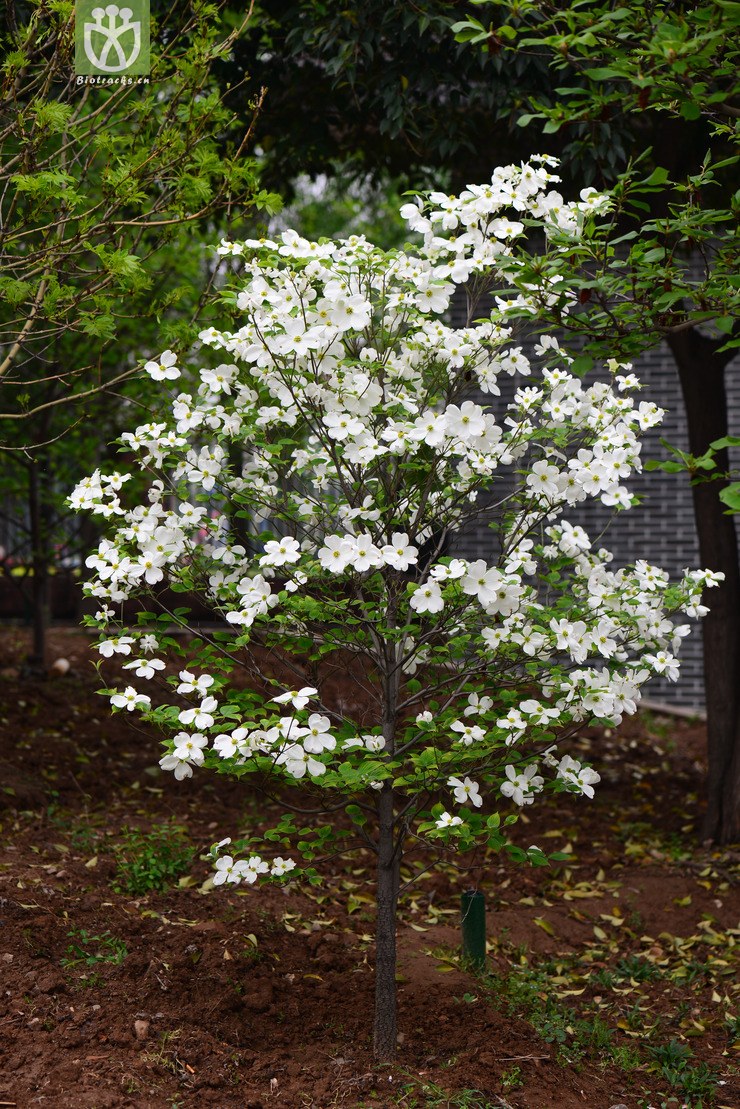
40, 561
701, 370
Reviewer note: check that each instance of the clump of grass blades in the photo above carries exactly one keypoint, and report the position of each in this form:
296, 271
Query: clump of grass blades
153, 860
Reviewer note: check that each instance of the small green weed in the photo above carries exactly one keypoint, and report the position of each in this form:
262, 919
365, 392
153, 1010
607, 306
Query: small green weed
659, 726
697, 1082
672, 1055
90, 950
604, 978
512, 1079
152, 860
165, 1054
626, 1057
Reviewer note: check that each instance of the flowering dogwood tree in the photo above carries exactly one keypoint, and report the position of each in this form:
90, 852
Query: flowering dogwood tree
307, 484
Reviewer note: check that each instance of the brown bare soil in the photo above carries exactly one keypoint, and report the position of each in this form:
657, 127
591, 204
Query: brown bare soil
612, 978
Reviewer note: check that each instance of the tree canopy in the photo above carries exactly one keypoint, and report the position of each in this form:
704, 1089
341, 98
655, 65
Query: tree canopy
386, 90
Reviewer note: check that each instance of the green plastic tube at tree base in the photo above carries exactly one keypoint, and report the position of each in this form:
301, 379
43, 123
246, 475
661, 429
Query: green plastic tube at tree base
473, 923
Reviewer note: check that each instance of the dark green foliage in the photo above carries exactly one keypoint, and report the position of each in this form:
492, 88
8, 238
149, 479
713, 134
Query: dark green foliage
381, 89
106, 196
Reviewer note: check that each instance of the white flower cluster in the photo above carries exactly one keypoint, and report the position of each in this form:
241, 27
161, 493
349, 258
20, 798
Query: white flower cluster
235, 871
339, 416
471, 230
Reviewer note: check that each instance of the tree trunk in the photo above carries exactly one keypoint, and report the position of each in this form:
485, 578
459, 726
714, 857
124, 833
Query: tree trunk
701, 373
390, 844
40, 555
388, 881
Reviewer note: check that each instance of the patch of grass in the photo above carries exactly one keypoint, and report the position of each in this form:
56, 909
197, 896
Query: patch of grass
604, 978
87, 982
640, 970
81, 828
594, 1029
427, 1095
154, 860
691, 970
659, 726
626, 1057
526, 991
636, 920
699, 1080
89, 949
640, 837
636, 1019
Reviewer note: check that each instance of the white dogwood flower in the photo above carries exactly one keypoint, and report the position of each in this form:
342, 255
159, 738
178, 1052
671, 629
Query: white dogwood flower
465, 790
298, 698
165, 368
130, 699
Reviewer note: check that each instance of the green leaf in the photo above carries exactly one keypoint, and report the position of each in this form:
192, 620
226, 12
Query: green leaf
101, 325
46, 183
689, 110
669, 467
52, 115
465, 24
655, 254
604, 73
15, 292
119, 262
659, 176
517, 854
731, 496
470, 31
582, 364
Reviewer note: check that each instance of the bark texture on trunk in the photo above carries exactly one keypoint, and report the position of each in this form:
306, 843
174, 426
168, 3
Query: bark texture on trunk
389, 847
389, 864
701, 370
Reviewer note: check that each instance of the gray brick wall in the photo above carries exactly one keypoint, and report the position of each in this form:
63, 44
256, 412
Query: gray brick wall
660, 529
